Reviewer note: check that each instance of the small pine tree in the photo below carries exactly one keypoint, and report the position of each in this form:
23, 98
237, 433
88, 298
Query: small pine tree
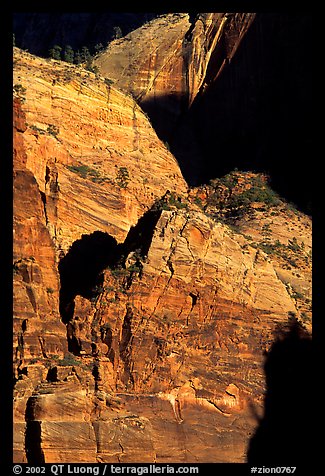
77, 57
117, 32
98, 48
55, 52
68, 54
85, 54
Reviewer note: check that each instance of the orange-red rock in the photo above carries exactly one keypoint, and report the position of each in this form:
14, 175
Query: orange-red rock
171, 56
166, 63
166, 357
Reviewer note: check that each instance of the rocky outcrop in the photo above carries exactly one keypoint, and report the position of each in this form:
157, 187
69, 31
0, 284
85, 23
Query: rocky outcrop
55, 165
38, 330
245, 201
171, 59
83, 131
140, 317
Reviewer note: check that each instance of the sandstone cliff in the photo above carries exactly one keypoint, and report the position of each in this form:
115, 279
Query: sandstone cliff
171, 59
140, 317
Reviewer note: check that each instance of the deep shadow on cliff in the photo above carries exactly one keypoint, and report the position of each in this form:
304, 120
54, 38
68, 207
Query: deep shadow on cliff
256, 115
81, 269
285, 433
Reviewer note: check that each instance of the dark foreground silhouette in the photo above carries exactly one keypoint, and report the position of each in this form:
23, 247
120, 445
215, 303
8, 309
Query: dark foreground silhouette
285, 433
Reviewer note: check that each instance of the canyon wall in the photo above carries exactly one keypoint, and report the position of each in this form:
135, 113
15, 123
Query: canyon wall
166, 62
141, 320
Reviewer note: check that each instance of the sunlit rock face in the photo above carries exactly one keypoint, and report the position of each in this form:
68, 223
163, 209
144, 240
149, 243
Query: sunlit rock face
140, 319
167, 61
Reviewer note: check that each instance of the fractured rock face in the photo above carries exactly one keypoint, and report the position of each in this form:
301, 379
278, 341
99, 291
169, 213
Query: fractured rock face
171, 55
84, 136
140, 321
166, 62
37, 323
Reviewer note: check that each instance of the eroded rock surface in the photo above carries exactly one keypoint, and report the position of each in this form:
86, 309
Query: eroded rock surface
166, 62
140, 319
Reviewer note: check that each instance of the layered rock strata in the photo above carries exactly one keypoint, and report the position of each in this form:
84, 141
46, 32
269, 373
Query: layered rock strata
172, 58
140, 322
84, 135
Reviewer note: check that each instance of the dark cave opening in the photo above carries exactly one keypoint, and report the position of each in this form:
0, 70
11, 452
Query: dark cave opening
81, 269
140, 235
194, 298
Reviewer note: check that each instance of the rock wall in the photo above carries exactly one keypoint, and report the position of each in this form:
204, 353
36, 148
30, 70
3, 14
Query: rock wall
171, 59
140, 321
82, 128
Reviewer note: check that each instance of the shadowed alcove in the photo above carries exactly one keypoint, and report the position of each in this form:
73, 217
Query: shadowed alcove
81, 270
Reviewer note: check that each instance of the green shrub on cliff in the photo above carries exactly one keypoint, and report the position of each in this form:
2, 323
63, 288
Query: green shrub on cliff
55, 52
233, 195
122, 177
85, 171
53, 130
68, 54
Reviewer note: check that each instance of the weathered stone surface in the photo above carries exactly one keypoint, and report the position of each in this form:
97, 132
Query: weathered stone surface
166, 345
85, 136
38, 329
53, 402
19, 453
125, 438
65, 441
171, 56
